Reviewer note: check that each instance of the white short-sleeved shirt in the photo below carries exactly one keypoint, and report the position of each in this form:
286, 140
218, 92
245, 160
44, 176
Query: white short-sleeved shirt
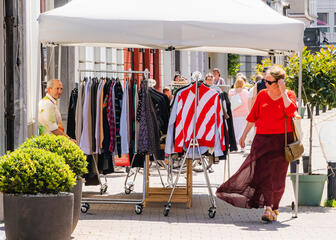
49, 116
251, 90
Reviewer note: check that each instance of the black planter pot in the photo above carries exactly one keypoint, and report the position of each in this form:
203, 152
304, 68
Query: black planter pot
292, 167
38, 217
77, 192
317, 110
331, 180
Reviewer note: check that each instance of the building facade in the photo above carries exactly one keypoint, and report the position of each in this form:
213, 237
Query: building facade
302, 10
326, 20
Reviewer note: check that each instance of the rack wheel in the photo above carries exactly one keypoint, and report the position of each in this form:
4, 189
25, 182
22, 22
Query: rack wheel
103, 189
85, 207
212, 212
129, 188
166, 210
138, 209
293, 206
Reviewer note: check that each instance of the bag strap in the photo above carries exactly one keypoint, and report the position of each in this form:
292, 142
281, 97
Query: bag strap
293, 128
285, 129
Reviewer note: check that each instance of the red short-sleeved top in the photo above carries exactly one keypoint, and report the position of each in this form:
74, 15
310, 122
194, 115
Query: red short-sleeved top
269, 115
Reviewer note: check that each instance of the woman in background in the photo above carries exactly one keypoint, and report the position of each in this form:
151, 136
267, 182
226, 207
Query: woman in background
239, 113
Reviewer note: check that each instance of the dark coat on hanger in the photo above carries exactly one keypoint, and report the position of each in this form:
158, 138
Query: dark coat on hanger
162, 109
229, 121
71, 124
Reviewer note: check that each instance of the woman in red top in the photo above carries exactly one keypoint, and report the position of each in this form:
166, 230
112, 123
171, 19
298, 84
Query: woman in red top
260, 181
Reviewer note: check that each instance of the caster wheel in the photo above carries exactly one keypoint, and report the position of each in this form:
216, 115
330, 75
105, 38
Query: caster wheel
293, 206
166, 210
103, 189
85, 207
212, 212
138, 209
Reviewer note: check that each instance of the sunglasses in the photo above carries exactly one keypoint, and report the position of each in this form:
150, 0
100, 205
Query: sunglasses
270, 82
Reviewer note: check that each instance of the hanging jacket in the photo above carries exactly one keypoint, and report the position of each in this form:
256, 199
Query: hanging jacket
229, 121
71, 124
208, 120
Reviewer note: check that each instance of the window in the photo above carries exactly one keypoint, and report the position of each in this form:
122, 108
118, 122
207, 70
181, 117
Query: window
323, 22
322, 19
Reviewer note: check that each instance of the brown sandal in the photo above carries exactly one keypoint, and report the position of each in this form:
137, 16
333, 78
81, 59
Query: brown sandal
275, 215
268, 215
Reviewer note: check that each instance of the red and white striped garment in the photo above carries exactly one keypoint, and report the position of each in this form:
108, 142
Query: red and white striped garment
209, 118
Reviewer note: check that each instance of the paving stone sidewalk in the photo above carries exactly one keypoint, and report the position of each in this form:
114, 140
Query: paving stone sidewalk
111, 221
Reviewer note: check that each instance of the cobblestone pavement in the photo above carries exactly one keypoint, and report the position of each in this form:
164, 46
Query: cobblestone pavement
111, 221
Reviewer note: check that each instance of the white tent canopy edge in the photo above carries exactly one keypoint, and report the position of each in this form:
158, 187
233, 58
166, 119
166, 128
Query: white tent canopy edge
181, 24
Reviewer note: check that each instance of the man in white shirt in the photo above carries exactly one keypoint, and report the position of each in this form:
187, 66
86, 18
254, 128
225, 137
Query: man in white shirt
49, 116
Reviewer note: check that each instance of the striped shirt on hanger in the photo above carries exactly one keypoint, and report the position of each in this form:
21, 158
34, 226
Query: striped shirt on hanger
209, 118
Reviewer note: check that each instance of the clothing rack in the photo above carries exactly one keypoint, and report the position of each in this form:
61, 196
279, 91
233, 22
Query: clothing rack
145, 72
194, 144
139, 203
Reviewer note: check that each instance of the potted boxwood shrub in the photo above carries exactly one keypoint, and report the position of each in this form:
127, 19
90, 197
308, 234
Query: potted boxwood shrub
73, 156
37, 203
319, 86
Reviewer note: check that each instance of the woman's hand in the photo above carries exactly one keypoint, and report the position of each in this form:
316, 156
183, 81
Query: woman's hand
282, 85
242, 141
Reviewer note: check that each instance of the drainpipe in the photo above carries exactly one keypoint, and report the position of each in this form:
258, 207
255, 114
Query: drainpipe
11, 25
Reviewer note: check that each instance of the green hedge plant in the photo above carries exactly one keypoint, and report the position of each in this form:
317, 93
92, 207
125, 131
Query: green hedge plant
33, 171
64, 147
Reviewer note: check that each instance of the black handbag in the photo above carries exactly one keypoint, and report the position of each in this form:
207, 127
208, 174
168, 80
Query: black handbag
294, 150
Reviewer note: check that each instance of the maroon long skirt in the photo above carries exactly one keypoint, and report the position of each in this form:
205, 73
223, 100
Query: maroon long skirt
260, 181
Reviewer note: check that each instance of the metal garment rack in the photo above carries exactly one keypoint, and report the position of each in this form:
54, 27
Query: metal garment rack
194, 143
138, 202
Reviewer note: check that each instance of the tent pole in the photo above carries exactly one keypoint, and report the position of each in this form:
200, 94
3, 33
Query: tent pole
59, 61
300, 84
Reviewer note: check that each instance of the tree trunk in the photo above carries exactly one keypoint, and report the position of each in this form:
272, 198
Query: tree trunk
310, 139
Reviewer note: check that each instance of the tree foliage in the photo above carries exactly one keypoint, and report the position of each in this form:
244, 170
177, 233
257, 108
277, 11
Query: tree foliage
318, 76
260, 67
233, 64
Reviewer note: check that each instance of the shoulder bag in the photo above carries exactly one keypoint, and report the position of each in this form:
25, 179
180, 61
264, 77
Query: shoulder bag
294, 150
235, 101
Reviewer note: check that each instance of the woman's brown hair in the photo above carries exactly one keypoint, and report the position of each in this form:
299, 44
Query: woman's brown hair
277, 72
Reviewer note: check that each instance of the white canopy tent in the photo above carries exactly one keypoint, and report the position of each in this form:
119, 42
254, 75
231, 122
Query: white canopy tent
235, 26
212, 25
